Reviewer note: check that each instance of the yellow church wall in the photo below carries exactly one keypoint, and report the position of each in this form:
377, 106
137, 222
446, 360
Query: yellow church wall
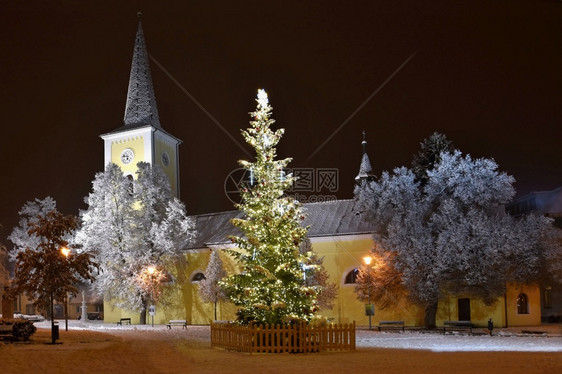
533, 317
480, 313
112, 314
198, 312
161, 146
345, 253
342, 255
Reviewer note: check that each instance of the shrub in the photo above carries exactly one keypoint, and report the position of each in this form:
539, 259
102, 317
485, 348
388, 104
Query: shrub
22, 328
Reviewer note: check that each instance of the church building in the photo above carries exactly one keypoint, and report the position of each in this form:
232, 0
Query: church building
337, 233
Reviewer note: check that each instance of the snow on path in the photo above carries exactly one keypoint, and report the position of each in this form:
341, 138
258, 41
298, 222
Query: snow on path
503, 340
459, 343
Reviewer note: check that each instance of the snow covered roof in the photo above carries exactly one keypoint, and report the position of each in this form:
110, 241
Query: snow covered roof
365, 169
141, 107
331, 218
542, 202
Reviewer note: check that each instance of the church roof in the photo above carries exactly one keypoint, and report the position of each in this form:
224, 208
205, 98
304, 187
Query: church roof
541, 202
365, 169
140, 109
331, 218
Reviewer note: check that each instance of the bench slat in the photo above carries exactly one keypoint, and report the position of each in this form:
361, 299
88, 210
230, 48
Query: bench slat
7, 332
391, 325
177, 322
457, 325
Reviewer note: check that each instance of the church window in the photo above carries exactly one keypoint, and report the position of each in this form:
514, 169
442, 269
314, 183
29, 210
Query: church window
547, 302
351, 277
198, 277
131, 185
165, 159
522, 304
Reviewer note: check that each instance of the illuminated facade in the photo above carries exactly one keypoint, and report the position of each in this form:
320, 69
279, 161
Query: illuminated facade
337, 233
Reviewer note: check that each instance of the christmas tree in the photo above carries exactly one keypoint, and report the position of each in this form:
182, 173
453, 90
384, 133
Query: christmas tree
271, 287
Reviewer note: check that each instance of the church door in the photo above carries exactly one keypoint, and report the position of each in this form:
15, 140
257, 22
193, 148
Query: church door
464, 309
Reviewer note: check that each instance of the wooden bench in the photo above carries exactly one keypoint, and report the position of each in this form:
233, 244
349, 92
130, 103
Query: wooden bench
124, 321
394, 325
457, 325
177, 322
7, 332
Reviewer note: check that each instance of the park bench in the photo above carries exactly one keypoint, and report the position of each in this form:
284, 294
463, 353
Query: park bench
177, 322
124, 320
7, 332
457, 326
394, 325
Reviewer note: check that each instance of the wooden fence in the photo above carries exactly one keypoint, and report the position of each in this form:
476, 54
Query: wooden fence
277, 339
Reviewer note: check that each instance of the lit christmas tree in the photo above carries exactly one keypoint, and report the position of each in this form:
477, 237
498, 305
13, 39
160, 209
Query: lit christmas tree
272, 285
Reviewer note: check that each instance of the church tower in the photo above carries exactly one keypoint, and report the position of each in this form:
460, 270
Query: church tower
365, 170
142, 138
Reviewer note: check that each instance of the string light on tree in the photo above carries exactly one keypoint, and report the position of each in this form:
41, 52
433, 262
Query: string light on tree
271, 287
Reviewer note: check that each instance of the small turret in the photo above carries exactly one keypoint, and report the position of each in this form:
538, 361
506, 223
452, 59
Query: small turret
365, 169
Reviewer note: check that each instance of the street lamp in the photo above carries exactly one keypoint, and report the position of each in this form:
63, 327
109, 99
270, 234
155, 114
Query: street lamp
65, 252
151, 270
369, 310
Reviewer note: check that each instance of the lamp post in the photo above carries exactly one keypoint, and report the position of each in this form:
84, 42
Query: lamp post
151, 270
369, 310
65, 252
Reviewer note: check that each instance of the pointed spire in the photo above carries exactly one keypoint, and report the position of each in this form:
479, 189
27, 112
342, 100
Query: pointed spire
141, 103
365, 169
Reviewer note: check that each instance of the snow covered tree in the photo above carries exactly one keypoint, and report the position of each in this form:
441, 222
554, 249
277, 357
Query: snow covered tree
271, 287
553, 254
317, 276
209, 288
45, 273
449, 233
4, 273
30, 214
107, 231
133, 226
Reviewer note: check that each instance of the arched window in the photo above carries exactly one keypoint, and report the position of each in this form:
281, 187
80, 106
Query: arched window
131, 185
197, 277
522, 304
351, 277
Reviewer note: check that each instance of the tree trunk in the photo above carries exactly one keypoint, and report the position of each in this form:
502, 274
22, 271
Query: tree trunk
430, 314
215, 310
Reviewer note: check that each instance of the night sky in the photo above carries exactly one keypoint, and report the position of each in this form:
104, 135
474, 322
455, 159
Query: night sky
488, 74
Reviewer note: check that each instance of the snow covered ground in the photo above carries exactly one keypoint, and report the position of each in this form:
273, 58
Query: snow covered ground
502, 341
541, 339
96, 347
